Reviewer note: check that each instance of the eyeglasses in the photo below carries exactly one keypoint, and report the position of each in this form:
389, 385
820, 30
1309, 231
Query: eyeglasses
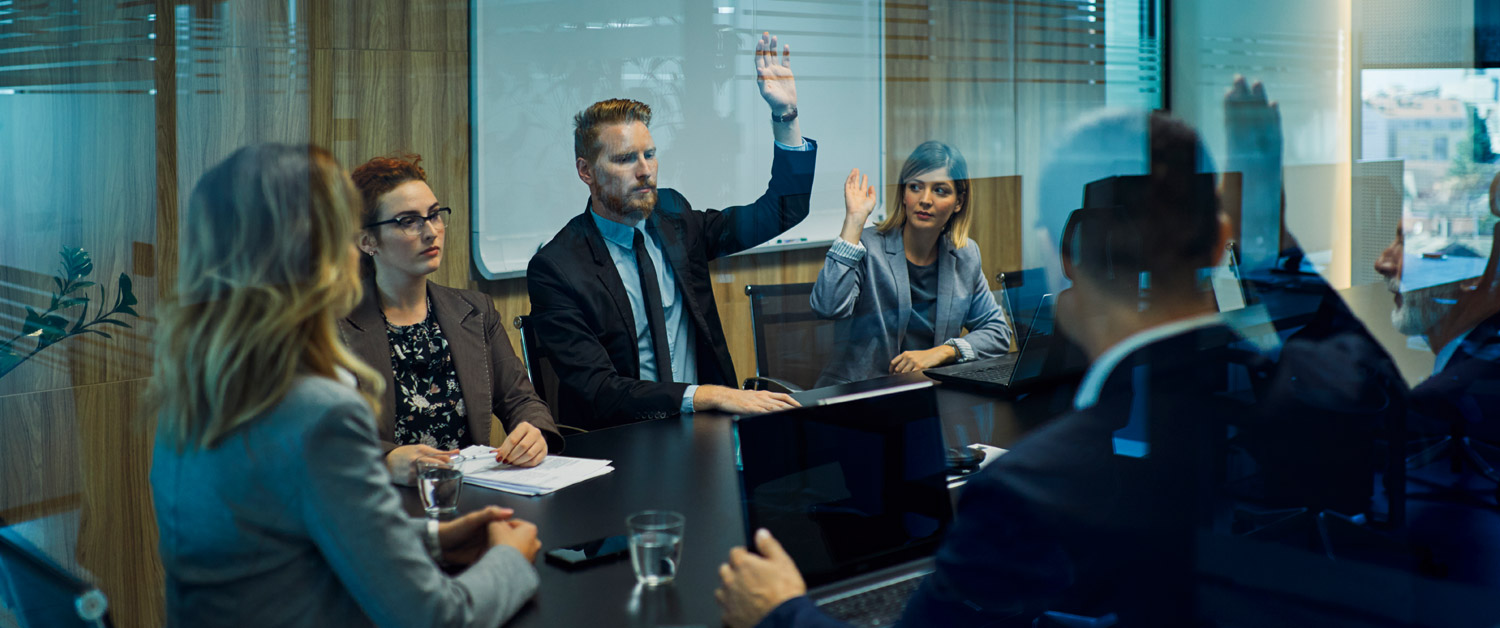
411, 224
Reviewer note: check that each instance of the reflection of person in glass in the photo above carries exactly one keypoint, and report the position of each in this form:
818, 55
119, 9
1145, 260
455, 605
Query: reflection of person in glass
1437, 296
902, 290
270, 496
621, 299
1060, 522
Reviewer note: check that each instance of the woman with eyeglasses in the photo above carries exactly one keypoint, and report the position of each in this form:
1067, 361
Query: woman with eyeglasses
445, 351
272, 506
902, 290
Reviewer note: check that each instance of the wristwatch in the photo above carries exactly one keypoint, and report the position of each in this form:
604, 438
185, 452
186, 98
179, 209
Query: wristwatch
791, 114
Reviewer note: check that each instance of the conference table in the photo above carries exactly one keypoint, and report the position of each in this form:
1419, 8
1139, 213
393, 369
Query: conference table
686, 464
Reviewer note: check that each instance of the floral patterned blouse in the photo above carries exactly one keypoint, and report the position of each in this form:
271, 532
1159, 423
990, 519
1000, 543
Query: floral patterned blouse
429, 403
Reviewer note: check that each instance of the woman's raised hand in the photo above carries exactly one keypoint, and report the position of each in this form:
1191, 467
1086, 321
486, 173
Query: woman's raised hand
859, 196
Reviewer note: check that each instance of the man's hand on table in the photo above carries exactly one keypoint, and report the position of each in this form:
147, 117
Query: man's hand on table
730, 400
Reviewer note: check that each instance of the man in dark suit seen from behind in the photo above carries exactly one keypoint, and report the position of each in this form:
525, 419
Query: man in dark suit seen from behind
621, 298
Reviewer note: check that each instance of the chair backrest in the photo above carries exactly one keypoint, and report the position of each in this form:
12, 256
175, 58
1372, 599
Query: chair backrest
538, 366
791, 343
38, 593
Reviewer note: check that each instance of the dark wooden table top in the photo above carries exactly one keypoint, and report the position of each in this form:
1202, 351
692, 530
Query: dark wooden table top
687, 465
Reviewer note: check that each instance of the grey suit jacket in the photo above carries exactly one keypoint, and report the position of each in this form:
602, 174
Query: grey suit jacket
292, 521
870, 297
493, 379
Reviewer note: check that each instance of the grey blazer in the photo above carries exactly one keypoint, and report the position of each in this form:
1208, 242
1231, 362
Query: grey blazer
493, 379
292, 521
870, 298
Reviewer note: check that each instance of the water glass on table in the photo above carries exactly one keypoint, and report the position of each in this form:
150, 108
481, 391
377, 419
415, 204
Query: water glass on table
655, 545
438, 483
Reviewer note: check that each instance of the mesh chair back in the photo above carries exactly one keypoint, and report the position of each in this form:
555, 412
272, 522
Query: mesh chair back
791, 342
538, 367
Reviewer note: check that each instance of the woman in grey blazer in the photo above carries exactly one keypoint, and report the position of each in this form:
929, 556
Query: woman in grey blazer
902, 290
272, 504
444, 351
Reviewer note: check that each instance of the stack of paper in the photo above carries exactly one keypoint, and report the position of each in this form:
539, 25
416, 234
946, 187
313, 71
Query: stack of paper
480, 469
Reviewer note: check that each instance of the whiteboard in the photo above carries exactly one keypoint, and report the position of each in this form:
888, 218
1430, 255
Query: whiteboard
537, 63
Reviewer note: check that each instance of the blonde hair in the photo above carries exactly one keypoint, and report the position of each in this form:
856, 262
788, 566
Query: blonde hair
267, 268
926, 158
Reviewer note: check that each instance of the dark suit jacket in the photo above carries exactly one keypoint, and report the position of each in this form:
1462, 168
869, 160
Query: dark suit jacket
583, 318
1467, 390
491, 376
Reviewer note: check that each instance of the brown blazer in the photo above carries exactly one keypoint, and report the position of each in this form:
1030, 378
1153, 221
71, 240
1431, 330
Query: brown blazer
493, 379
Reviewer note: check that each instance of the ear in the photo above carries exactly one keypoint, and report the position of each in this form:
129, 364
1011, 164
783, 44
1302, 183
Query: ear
367, 243
585, 170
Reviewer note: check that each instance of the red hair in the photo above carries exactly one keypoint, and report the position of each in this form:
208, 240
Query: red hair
380, 175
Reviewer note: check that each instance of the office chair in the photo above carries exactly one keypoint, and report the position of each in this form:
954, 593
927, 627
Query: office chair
792, 345
1461, 453
539, 370
40, 594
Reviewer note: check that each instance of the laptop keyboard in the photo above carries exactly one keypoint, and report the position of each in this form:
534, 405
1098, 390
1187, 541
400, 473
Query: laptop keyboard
880, 606
997, 374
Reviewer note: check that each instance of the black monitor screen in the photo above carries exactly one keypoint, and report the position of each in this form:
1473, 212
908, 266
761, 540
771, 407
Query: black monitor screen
848, 487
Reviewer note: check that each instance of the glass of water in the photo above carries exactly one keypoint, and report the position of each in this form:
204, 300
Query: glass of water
438, 483
655, 545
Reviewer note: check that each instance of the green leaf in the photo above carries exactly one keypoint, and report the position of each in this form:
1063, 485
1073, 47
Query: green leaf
10, 360
58, 281
67, 303
78, 322
125, 309
95, 331
34, 322
77, 262
126, 296
112, 321
54, 328
75, 287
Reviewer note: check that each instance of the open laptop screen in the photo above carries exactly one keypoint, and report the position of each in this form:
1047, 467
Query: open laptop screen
850, 487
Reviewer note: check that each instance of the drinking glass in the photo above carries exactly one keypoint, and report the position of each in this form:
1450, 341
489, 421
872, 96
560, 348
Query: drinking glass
655, 545
438, 483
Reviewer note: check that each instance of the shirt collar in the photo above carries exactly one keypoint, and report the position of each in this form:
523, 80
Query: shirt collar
1448, 350
623, 235
1100, 370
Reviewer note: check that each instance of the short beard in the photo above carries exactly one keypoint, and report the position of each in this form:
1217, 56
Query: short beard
633, 208
1421, 310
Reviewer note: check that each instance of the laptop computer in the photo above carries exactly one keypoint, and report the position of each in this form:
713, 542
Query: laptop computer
856, 491
1011, 373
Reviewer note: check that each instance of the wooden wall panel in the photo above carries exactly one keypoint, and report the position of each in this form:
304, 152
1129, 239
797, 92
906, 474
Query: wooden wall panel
369, 103
427, 25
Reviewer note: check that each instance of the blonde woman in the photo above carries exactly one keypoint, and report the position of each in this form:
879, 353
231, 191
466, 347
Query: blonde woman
271, 499
902, 290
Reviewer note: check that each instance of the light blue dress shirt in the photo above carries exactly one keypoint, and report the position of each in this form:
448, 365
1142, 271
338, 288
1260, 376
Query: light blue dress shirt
681, 341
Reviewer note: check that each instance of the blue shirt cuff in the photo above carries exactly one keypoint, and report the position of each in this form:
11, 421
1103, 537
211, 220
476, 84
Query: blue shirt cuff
687, 398
806, 145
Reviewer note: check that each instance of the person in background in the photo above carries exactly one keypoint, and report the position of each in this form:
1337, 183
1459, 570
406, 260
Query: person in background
1459, 314
444, 351
271, 501
621, 298
901, 308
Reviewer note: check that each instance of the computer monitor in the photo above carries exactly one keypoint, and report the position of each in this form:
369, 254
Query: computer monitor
848, 487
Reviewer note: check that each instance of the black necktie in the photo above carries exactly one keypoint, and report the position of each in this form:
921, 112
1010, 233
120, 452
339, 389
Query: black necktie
655, 318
